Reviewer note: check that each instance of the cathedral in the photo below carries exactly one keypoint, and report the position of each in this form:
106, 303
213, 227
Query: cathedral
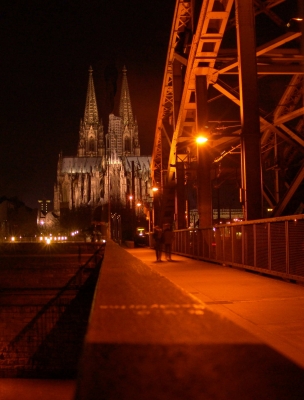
108, 171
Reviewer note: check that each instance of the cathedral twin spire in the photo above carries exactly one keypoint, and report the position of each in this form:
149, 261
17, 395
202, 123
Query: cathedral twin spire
91, 139
122, 138
82, 179
125, 108
91, 111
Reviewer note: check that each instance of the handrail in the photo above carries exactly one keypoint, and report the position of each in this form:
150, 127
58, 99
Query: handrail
274, 246
44, 320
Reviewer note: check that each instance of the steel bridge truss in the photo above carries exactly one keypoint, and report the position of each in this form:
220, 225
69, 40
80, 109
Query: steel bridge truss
207, 47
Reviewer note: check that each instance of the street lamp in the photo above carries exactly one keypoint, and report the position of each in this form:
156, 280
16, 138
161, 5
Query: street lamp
201, 139
138, 205
155, 205
132, 215
204, 197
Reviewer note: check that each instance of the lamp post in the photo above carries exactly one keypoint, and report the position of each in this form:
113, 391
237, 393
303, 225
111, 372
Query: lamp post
150, 207
138, 205
204, 198
132, 210
109, 200
185, 170
155, 205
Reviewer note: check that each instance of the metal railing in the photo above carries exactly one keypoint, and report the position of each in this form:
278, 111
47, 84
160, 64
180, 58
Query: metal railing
36, 331
274, 246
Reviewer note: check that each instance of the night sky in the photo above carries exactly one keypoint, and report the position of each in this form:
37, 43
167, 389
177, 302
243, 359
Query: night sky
47, 47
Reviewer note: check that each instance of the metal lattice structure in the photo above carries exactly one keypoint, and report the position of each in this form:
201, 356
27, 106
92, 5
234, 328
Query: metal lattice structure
205, 42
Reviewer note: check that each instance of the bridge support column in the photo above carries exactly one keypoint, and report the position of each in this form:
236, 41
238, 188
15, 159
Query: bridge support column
204, 161
180, 195
250, 136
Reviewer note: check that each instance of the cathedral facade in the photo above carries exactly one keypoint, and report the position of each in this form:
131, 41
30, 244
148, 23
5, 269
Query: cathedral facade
108, 169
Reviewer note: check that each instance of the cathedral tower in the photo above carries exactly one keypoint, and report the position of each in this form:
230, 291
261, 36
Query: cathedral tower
122, 138
91, 138
103, 174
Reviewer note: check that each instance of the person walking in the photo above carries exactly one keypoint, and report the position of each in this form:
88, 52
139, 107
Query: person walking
168, 237
157, 236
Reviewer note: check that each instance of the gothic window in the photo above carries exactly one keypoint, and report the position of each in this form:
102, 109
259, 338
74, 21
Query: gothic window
91, 144
127, 144
66, 191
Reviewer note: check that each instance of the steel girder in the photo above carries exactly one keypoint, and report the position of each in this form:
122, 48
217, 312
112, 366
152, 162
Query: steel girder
202, 43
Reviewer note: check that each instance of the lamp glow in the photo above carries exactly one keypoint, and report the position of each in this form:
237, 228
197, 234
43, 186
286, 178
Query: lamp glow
201, 139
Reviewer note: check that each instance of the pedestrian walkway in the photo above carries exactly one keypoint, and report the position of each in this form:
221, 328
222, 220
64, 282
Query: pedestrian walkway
190, 330
269, 308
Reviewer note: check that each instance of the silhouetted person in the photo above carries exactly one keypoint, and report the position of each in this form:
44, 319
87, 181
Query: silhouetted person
157, 236
168, 237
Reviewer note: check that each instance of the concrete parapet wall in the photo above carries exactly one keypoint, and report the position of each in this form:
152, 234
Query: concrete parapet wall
149, 339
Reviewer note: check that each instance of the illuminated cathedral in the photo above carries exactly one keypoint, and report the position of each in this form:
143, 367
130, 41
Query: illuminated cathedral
108, 168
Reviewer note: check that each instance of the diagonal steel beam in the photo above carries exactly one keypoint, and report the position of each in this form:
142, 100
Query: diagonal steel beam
288, 195
265, 48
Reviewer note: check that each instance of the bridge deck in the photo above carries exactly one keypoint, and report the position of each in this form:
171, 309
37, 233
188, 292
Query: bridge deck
187, 329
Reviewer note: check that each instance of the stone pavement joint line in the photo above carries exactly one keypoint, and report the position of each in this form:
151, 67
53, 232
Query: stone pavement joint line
269, 308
